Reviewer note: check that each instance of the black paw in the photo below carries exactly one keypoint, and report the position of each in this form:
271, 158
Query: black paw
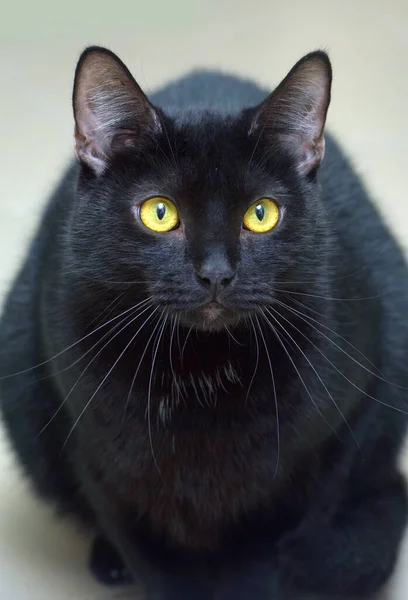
106, 564
308, 560
253, 580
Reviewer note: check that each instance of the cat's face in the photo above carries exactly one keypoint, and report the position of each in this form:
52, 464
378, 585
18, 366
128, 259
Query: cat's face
207, 215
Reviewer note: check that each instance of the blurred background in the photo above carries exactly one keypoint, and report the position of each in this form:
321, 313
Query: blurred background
40, 41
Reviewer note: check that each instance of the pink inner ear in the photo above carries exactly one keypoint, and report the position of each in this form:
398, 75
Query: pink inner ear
312, 154
126, 139
89, 152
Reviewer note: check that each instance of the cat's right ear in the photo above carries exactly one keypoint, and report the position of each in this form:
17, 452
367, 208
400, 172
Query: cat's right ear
111, 112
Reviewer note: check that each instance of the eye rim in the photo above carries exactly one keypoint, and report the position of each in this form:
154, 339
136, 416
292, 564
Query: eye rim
254, 203
158, 197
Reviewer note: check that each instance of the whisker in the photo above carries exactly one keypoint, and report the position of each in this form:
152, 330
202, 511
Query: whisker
316, 312
345, 376
149, 393
304, 306
138, 367
132, 319
303, 317
185, 342
107, 375
275, 397
232, 337
41, 364
257, 358
178, 334
279, 338
111, 306
352, 274
314, 370
78, 360
332, 298
175, 381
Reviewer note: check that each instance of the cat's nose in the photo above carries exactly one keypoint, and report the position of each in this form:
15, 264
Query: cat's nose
215, 277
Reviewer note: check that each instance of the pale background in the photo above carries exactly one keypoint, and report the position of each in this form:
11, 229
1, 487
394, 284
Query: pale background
41, 558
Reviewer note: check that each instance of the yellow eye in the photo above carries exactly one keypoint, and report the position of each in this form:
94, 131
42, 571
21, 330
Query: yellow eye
159, 214
261, 216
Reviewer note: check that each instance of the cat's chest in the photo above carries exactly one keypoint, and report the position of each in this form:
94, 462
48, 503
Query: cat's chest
189, 447
192, 485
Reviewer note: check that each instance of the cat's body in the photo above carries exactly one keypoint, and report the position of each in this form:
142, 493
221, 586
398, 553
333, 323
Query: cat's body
222, 450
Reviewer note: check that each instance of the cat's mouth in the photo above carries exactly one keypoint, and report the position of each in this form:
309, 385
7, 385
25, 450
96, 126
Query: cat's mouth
211, 316
213, 310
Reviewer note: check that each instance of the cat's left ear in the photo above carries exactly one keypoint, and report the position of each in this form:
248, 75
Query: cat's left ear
111, 112
294, 114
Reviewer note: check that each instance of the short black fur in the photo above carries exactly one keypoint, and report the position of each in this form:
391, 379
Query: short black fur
244, 448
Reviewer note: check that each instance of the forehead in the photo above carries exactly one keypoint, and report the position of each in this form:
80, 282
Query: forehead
213, 156
209, 139
208, 160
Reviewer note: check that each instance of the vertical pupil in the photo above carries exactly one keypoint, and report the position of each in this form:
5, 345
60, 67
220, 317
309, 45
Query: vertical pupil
161, 209
260, 212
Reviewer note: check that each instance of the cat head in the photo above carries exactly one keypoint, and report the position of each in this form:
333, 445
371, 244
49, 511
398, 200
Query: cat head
209, 215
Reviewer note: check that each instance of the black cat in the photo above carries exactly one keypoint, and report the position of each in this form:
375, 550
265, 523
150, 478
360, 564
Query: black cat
204, 356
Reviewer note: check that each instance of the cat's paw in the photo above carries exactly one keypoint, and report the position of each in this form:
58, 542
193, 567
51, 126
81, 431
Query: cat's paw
257, 580
303, 555
106, 564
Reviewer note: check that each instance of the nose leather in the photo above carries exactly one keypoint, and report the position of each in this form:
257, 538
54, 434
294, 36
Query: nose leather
215, 274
